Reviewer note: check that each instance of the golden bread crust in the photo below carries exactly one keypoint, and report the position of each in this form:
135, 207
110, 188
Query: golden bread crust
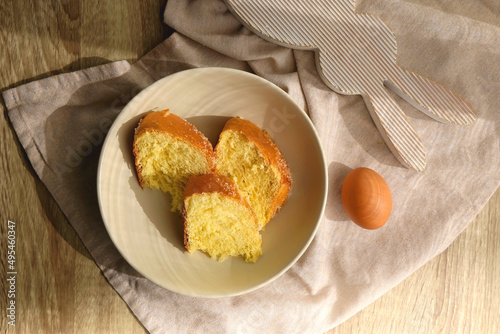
270, 152
163, 121
210, 183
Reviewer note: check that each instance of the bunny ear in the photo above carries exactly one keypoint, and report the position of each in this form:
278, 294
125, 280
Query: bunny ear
397, 131
436, 101
276, 21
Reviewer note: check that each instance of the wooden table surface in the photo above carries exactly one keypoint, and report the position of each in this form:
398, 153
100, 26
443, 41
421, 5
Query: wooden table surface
59, 289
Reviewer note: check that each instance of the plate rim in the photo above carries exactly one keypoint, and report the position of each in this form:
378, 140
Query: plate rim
320, 214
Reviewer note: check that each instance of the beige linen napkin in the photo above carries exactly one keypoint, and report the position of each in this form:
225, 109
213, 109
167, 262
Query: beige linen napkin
61, 122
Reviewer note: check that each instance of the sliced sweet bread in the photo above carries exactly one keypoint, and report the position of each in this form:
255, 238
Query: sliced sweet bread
168, 150
218, 221
249, 156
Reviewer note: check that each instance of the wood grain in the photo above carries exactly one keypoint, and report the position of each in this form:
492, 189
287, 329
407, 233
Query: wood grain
59, 289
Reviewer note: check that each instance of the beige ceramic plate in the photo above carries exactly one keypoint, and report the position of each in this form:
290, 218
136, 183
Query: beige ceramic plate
139, 221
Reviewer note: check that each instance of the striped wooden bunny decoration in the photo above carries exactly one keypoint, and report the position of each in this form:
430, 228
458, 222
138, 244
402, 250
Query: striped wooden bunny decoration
356, 54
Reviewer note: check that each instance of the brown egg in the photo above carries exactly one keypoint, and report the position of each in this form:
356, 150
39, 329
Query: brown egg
366, 198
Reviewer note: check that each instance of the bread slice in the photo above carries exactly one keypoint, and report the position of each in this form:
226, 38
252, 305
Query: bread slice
168, 150
249, 156
218, 221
